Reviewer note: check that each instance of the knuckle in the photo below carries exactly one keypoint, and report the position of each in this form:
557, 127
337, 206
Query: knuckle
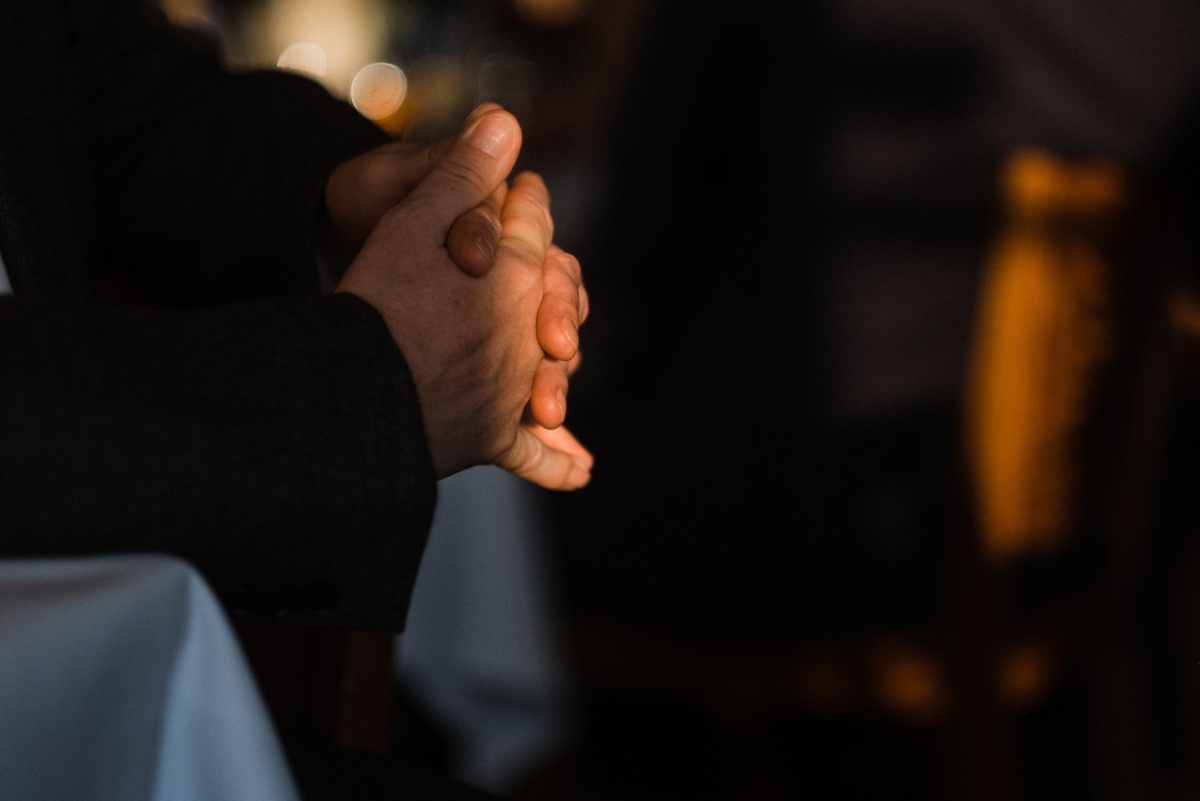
524, 253
564, 273
520, 458
535, 207
558, 305
573, 268
465, 173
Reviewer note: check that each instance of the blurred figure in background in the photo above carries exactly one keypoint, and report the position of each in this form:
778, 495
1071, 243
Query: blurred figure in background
789, 498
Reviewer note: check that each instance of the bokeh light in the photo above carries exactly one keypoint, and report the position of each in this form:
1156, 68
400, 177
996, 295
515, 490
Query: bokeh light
306, 57
550, 13
350, 32
378, 90
440, 94
188, 13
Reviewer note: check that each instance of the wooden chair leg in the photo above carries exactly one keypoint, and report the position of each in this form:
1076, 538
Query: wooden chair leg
335, 685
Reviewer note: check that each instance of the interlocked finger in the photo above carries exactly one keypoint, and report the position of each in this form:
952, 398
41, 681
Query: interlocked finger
559, 316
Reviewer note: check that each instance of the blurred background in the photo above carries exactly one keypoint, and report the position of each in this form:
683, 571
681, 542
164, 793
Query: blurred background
890, 378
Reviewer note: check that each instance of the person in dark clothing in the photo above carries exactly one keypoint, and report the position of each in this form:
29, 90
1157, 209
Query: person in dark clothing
177, 376
274, 435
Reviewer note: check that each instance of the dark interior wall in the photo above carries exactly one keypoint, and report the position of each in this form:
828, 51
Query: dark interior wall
785, 282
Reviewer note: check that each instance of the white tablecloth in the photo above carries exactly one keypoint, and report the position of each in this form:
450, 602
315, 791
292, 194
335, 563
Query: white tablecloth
121, 679
482, 652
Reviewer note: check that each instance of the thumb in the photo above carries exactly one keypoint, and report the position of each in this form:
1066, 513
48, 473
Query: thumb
477, 163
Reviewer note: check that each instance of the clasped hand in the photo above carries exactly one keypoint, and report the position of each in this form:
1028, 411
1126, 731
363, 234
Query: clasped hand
485, 309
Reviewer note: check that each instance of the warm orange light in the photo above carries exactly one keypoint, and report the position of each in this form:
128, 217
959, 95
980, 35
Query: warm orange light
908, 681
1183, 310
188, 13
1024, 675
1044, 328
550, 13
378, 90
305, 57
351, 33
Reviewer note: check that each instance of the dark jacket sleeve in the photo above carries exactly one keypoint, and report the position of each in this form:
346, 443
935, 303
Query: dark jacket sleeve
209, 182
277, 445
266, 433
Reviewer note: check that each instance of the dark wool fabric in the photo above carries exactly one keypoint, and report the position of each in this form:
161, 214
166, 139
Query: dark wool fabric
171, 379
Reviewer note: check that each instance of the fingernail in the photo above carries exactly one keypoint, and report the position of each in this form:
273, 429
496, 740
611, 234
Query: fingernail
562, 403
493, 134
578, 477
572, 336
486, 248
